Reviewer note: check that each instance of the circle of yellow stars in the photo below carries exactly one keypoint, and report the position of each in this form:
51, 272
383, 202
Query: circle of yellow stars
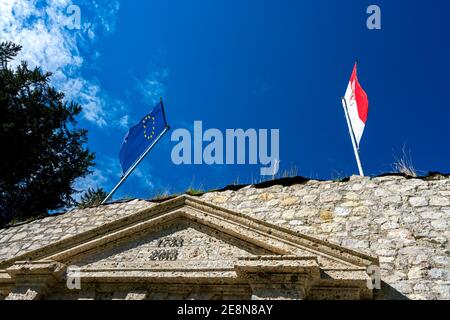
149, 127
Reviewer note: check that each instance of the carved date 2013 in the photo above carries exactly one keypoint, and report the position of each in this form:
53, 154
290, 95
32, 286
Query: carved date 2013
167, 254
164, 255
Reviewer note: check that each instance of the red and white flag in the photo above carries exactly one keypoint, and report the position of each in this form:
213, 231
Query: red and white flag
357, 105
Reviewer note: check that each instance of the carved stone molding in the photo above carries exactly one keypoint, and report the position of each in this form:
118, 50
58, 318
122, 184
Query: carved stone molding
33, 279
279, 277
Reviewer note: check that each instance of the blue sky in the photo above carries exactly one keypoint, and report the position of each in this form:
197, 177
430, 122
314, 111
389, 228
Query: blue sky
247, 64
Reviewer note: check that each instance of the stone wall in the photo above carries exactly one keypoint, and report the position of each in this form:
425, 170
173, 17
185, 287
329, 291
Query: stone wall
403, 221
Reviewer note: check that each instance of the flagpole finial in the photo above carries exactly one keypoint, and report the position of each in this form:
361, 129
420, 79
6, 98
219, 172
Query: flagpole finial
357, 61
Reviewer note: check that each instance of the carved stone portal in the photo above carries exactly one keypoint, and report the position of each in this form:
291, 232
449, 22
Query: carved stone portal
188, 249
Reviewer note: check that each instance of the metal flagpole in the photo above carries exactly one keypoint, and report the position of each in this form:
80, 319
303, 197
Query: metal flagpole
352, 136
127, 174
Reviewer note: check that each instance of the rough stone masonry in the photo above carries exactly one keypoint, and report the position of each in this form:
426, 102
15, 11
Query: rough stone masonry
404, 221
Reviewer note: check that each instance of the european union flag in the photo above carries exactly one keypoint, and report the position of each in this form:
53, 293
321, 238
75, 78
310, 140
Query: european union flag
140, 137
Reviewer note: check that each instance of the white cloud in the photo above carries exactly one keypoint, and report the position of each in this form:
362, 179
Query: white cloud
41, 27
124, 122
95, 180
108, 172
144, 176
152, 87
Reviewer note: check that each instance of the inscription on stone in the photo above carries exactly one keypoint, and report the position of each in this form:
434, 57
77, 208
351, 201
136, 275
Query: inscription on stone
167, 254
164, 255
171, 242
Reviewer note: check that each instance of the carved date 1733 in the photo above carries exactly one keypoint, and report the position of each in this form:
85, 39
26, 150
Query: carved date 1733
167, 254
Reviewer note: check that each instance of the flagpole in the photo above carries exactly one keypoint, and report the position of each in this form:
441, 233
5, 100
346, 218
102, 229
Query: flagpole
127, 174
352, 137
163, 112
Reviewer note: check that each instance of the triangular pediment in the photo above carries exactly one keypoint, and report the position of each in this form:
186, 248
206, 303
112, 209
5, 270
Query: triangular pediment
179, 244
188, 230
